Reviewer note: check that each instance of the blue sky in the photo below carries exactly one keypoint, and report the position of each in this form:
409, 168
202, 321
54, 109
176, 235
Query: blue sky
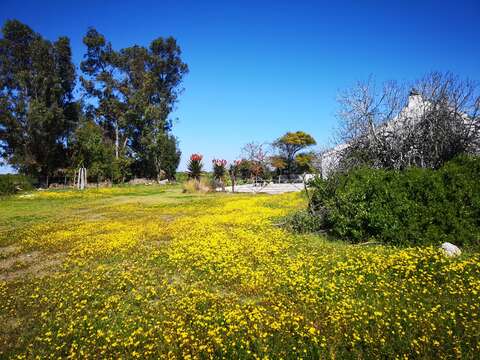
261, 68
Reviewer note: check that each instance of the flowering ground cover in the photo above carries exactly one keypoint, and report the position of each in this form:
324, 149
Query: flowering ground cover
149, 272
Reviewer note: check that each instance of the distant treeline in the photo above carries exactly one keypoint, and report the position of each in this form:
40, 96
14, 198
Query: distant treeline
113, 118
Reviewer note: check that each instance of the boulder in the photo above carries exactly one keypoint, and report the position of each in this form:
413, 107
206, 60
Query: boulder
450, 249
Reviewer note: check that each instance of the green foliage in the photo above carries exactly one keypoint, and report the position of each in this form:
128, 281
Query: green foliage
159, 157
219, 168
90, 150
243, 169
131, 95
11, 184
37, 78
181, 176
136, 89
195, 166
303, 221
303, 163
411, 207
289, 146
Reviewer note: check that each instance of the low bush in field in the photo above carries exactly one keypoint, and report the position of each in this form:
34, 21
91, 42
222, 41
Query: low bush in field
411, 207
303, 222
11, 184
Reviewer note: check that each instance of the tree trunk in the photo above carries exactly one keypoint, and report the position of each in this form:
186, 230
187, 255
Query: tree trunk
116, 140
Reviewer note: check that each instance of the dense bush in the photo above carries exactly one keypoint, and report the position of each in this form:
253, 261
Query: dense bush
411, 207
11, 184
302, 222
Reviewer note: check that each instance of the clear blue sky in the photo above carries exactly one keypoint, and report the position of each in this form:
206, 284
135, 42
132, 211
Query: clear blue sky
261, 68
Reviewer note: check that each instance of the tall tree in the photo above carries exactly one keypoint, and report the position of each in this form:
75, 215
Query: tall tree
136, 89
102, 81
37, 111
151, 86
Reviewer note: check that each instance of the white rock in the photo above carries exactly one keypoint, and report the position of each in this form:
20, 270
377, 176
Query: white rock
450, 249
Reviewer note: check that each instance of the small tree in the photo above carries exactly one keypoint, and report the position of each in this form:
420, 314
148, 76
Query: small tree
195, 166
234, 171
219, 170
90, 150
290, 144
255, 158
278, 163
304, 162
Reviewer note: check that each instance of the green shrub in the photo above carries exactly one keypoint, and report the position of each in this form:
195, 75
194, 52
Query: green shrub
411, 207
302, 222
11, 184
181, 176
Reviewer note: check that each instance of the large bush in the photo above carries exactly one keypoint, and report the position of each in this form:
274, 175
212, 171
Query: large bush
410, 207
11, 184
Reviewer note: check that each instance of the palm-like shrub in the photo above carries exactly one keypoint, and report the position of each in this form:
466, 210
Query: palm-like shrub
219, 168
195, 166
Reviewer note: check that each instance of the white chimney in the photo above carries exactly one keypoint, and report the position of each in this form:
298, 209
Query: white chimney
414, 98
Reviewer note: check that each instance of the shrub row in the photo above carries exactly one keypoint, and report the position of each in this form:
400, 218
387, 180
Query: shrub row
11, 184
410, 207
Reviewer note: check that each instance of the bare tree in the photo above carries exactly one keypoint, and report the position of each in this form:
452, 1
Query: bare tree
257, 157
254, 151
385, 128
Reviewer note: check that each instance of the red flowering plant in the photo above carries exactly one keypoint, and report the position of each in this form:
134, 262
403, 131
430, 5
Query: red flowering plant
219, 168
195, 166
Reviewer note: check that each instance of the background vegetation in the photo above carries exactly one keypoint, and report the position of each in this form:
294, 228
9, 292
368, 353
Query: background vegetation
12, 184
118, 127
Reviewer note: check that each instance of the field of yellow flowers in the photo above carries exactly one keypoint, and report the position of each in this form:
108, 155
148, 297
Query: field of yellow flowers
153, 273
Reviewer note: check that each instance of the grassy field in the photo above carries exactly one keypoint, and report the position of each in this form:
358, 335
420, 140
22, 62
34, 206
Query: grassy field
150, 272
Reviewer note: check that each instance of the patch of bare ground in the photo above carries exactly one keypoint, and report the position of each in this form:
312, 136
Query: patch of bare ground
34, 263
10, 250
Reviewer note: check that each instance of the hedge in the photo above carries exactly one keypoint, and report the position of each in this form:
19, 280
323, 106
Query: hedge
410, 207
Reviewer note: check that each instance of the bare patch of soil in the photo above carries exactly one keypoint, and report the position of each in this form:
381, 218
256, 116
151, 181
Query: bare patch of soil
7, 251
34, 263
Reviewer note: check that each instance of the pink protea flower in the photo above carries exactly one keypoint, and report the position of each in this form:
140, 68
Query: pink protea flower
219, 162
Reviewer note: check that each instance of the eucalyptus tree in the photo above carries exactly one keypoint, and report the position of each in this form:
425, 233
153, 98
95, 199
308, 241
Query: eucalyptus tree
101, 81
134, 91
151, 85
38, 112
